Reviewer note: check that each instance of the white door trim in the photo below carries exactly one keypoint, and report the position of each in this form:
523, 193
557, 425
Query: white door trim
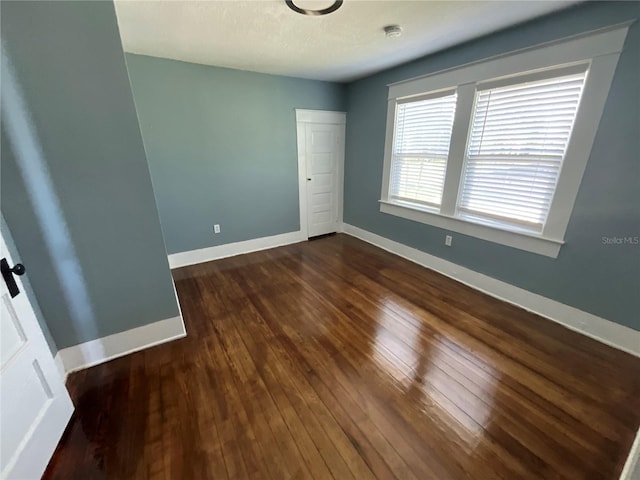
316, 116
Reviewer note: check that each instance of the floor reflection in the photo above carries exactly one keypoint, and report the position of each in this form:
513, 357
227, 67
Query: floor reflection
425, 368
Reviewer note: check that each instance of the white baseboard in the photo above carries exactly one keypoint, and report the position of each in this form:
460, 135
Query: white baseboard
631, 469
605, 331
182, 259
100, 350
60, 366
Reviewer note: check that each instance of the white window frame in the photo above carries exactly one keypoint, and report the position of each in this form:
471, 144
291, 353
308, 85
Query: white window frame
599, 51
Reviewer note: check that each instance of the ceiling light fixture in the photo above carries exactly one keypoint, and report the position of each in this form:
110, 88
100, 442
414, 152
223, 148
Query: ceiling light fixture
314, 13
392, 31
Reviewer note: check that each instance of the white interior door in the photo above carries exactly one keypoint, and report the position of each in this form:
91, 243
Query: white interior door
34, 404
324, 147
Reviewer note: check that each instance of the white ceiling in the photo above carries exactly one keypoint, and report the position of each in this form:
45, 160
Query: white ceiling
266, 36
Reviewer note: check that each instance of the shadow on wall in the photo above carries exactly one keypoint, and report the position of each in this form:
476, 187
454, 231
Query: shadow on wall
27, 151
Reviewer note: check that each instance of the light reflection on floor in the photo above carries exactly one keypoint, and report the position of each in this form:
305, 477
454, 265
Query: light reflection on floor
425, 367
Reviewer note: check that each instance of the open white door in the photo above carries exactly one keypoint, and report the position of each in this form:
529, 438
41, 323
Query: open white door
34, 404
321, 161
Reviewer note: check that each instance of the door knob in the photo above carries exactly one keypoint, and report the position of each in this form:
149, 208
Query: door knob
8, 273
308, 179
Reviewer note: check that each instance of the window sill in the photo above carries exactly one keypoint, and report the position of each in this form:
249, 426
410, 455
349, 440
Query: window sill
523, 241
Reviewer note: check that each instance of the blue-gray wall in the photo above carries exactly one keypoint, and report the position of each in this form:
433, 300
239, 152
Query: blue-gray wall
70, 67
221, 146
600, 279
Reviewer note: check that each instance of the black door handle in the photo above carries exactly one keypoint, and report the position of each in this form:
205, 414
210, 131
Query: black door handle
8, 273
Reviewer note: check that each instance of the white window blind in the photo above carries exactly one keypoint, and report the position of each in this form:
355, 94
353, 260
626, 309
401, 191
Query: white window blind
420, 150
518, 139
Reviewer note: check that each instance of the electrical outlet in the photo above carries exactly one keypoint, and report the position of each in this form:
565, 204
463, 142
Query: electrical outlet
216, 228
447, 240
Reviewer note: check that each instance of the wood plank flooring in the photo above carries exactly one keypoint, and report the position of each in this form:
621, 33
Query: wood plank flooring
334, 359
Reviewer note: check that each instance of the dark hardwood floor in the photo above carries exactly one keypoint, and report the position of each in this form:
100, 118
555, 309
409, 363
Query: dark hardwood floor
335, 359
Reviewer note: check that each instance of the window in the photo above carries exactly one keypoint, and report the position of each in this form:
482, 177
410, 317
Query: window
496, 150
421, 149
517, 141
